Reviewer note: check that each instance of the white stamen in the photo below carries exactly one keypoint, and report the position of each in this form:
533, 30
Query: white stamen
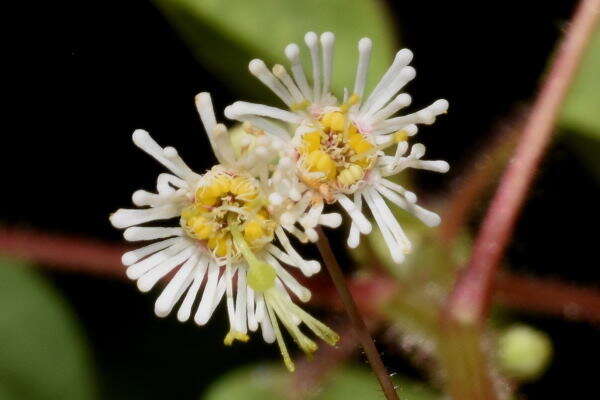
151, 277
124, 217
138, 233
399, 102
363, 224
311, 41
292, 52
136, 270
362, 69
134, 256
203, 313
354, 235
176, 286
396, 251
410, 196
242, 108
289, 281
280, 72
240, 302
406, 75
183, 314
250, 309
331, 220
327, 43
425, 116
259, 69
402, 59
144, 141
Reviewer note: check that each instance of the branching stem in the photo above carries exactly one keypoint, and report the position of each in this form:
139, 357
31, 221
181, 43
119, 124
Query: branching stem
471, 298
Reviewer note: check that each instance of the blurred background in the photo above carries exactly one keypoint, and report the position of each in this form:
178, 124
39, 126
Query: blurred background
138, 64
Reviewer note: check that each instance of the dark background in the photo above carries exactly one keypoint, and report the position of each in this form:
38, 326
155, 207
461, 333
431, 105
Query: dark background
126, 68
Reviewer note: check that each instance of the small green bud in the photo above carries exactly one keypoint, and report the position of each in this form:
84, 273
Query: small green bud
524, 352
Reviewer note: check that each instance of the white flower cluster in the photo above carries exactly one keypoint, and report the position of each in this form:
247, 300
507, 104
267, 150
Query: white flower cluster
276, 181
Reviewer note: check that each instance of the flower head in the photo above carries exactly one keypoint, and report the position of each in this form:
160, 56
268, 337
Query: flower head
223, 244
341, 149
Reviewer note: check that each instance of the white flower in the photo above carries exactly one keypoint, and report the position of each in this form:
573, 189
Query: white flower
336, 152
223, 241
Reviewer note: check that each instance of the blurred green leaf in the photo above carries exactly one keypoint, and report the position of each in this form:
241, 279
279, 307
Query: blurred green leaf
271, 382
42, 353
581, 113
226, 34
582, 108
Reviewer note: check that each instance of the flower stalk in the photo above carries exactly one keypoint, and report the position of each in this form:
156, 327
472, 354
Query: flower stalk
360, 329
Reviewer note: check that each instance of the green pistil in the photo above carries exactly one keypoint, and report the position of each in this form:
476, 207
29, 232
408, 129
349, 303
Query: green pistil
261, 276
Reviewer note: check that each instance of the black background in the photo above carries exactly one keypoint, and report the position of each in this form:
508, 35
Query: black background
126, 68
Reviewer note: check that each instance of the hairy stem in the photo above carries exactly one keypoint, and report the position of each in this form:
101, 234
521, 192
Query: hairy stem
360, 329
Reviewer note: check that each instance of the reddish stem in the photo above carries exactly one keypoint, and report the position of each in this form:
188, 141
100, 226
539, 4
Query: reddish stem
65, 253
360, 329
472, 294
548, 296
73, 254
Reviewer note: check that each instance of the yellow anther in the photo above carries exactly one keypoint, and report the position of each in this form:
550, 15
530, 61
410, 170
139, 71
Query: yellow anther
345, 178
334, 120
356, 171
350, 175
303, 105
241, 186
326, 120
338, 122
201, 228
253, 230
232, 336
359, 144
320, 161
312, 141
400, 136
219, 243
225, 201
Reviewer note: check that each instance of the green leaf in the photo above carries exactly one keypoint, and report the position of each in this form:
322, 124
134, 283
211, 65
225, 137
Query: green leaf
582, 107
226, 34
581, 113
268, 382
42, 353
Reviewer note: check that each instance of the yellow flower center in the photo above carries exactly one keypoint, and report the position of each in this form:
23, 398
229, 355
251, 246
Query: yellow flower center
335, 154
225, 200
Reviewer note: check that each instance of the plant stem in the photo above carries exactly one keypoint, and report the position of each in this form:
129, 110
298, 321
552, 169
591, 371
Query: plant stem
548, 296
360, 329
466, 363
472, 294
63, 252
93, 257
